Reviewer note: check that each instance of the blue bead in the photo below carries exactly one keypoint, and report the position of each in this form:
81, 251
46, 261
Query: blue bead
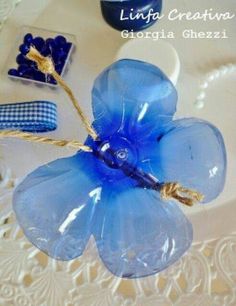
67, 47
51, 80
28, 38
60, 40
39, 76
45, 51
33, 65
24, 49
63, 58
49, 40
50, 43
22, 69
59, 68
38, 42
58, 55
28, 74
13, 72
21, 59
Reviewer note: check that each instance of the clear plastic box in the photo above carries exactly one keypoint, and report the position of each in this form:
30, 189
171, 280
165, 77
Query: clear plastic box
11, 62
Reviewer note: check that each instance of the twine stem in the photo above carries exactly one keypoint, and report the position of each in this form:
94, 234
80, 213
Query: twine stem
46, 65
184, 195
33, 138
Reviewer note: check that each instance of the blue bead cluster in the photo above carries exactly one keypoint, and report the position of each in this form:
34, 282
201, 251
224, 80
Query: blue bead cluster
57, 48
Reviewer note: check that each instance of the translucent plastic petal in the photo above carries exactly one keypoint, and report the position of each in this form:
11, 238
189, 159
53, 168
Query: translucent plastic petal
192, 152
132, 97
138, 234
55, 205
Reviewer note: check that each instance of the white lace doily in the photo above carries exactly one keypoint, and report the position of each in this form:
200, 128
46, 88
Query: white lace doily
205, 276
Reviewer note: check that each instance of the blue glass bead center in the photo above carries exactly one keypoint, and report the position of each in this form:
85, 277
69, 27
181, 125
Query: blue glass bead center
116, 153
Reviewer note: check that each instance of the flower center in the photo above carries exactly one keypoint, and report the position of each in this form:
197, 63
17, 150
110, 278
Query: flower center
116, 153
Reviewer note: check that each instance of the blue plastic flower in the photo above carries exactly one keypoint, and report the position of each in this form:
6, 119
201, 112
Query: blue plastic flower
108, 193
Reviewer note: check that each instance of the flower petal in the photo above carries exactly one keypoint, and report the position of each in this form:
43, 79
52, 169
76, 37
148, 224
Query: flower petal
138, 234
55, 205
133, 97
192, 152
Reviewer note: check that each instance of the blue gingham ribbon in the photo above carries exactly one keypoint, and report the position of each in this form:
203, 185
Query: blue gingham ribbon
35, 116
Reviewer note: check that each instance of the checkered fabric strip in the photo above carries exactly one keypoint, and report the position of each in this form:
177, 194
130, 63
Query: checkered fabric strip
35, 116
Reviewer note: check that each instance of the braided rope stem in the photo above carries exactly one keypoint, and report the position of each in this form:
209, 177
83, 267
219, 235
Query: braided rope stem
46, 65
184, 195
33, 138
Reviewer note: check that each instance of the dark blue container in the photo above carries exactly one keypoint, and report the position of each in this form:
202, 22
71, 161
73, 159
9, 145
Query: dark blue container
114, 11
